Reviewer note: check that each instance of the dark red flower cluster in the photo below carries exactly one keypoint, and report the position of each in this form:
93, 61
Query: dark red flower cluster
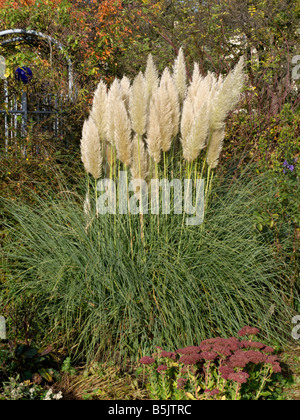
230, 356
213, 392
241, 358
226, 371
238, 360
162, 368
222, 346
190, 359
209, 355
189, 350
191, 369
169, 354
276, 367
274, 362
248, 331
240, 377
268, 349
252, 344
256, 345
222, 351
181, 382
147, 360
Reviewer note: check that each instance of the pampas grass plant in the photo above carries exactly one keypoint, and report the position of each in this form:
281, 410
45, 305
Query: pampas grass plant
119, 283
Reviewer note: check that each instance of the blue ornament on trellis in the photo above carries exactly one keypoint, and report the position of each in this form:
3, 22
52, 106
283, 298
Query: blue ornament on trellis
23, 74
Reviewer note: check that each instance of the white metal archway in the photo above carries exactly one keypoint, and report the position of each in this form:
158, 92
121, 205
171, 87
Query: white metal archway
31, 33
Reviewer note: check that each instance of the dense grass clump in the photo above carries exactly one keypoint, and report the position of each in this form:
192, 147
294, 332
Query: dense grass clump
97, 286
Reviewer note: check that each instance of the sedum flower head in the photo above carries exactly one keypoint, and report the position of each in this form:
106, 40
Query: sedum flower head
226, 371
190, 359
189, 350
147, 360
162, 368
239, 377
248, 331
168, 354
181, 383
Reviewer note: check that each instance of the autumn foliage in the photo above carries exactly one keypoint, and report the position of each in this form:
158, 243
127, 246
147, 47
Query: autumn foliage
92, 32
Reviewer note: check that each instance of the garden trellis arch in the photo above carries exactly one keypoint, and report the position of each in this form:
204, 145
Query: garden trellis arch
30, 33
23, 35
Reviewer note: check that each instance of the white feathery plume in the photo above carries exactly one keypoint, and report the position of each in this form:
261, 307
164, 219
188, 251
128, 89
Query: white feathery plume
195, 117
179, 75
140, 159
165, 113
227, 96
151, 77
202, 94
187, 119
122, 135
196, 76
114, 94
196, 79
215, 147
125, 90
153, 138
211, 78
195, 141
138, 104
99, 109
215, 85
91, 154
174, 101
